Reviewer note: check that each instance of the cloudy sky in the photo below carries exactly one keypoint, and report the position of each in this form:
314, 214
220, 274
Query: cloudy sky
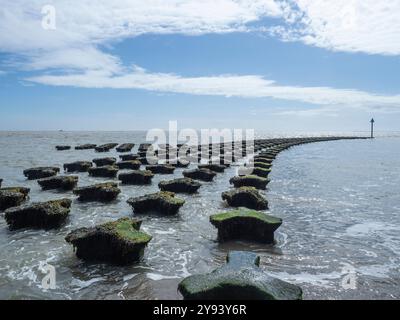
265, 64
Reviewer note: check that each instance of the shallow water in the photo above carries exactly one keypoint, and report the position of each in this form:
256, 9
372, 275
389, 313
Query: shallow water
339, 201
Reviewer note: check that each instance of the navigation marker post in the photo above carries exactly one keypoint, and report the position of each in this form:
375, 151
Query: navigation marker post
372, 128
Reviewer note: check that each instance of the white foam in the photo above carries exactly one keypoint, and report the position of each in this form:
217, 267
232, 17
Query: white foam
324, 280
84, 284
169, 231
129, 276
157, 277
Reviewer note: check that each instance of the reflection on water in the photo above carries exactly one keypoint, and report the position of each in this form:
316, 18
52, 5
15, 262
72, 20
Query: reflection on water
339, 201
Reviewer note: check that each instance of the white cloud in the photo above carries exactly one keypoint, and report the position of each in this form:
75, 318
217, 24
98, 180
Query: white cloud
97, 21
250, 86
347, 25
72, 54
327, 112
85, 58
84, 27
368, 26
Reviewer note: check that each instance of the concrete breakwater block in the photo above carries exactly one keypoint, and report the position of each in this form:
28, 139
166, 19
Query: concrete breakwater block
86, 146
268, 154
261, 172
262, 165
119, 242
12, 197
104, 172
247, 197
106, 147
182, 185
103, 192
136, 177
125, 147
60, 182
126, 157
129, 164
78, 166
145, 146
263, 159
249, 181
239, 279
161, 203
63, 148
161, 168
100, 162
41, 172
41, 215
200, 174
245, 224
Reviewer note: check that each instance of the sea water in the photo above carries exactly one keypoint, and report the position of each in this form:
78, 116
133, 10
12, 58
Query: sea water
339, 201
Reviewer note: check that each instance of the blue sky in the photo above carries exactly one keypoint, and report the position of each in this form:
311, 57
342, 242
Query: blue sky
271, 65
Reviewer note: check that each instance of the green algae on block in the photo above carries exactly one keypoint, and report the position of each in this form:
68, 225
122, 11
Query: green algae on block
245, 224
261, 172
239, 279
243, 212
120, 242
263, 160
269, 154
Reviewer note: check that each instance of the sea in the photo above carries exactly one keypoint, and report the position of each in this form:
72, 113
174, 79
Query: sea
340, 237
